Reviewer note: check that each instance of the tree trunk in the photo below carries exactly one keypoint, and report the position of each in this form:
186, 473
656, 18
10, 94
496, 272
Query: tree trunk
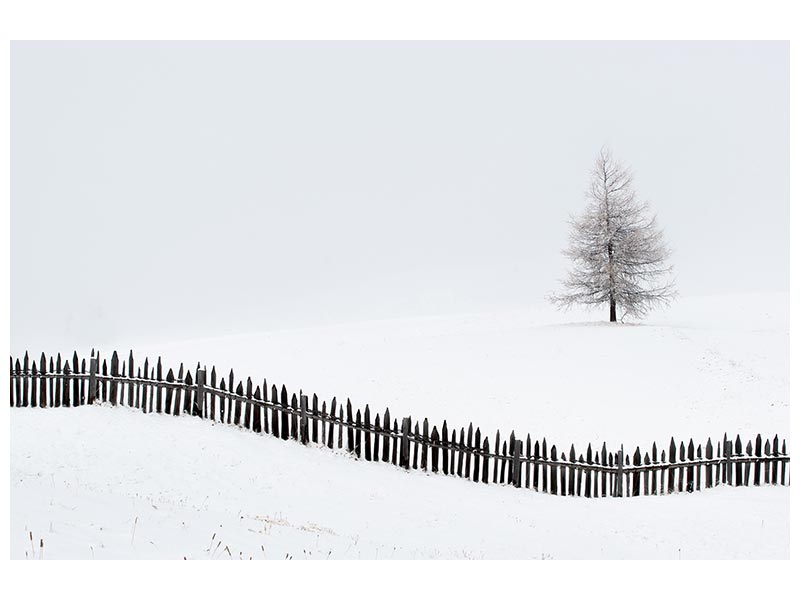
612, 300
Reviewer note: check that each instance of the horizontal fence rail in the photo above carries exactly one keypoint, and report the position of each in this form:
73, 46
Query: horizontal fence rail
466, 453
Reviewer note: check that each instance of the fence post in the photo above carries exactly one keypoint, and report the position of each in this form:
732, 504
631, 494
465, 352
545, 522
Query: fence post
303, 413
729, 462
200, 394
92, 380
112, 388
620, 478
517, 463
404, 445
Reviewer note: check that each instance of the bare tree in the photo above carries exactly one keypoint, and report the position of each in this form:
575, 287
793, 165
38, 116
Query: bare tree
618, 253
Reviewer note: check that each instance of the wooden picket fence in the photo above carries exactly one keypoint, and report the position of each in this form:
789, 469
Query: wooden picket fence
690, 467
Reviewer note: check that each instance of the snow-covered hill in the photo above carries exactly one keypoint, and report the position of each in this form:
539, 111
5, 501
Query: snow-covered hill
705, 367
111, 482
102, 482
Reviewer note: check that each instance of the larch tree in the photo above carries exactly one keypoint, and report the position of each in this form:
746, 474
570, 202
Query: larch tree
618, 253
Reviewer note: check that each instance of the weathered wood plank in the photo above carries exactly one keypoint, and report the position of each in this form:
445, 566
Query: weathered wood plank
387, 427
260, 415
452, 447
304, 419
468, 457
496, 457
571, 472
435, 450
331, 428
34, 384
276, 413
83, 382
66, 386
783, 464
376, 454
237, 409
395, 442
485, 461
199, 407
503, 451
445, 457
404, 446
113, 384
258, 410
131, 384
424, 461
673, 458
737, 451
248, 406
212, 396
747, 467
775, 462
357, 432
293, 421
51, 381
324, 425
57, 380
43, 400
517, 464
315, 421
303, 433
285, 413
187, 393
92, 393
730, 462
158, 390
222, 399
620, 461
25, 380
545, 467
637, 462
460, 465
341, 425
512, 444
528, 450
416, 444
169, 392
349, 414
14, 377
76, 383
367, 435
480, 458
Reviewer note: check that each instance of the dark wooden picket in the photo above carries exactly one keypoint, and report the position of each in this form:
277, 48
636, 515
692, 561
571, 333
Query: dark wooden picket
367, 437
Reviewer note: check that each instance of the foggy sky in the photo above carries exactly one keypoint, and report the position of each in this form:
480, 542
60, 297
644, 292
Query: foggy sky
179, 190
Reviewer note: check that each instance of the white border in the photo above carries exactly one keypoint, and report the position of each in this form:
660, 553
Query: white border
409, 19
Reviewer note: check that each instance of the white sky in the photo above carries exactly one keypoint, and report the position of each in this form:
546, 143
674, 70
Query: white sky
173, 190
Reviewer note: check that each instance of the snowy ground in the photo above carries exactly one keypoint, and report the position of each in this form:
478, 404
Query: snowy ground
705, 367
102, 482
113, 483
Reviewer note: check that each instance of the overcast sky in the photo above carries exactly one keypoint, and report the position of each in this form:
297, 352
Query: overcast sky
178, 190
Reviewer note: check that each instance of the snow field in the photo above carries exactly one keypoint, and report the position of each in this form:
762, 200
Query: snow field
108, 482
